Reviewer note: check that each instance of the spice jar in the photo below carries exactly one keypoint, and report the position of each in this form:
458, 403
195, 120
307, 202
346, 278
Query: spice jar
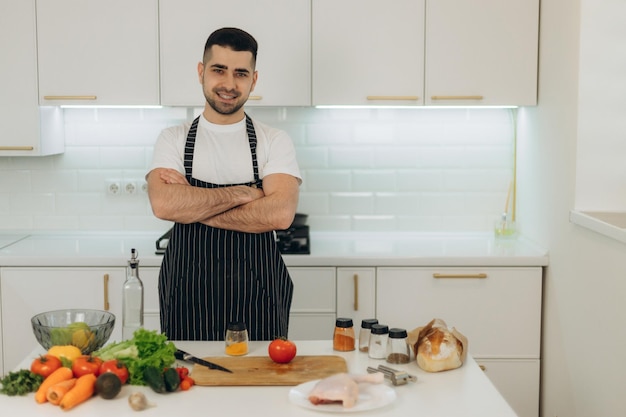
378, 341
364, 334
343, 338
397, 348
236, 339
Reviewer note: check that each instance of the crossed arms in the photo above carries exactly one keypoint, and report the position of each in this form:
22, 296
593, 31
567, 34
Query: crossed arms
240, 208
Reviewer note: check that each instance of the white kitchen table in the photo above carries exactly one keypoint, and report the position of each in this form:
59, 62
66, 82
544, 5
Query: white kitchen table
463, 392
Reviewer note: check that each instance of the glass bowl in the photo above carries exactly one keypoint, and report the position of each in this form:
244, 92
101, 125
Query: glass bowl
86, 329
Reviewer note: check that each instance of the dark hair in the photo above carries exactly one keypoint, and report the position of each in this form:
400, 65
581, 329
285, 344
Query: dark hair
233, 38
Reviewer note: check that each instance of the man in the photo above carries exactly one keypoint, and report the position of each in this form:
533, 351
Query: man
227, 182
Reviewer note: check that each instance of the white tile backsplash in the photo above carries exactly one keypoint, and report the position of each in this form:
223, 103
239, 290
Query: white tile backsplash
364, 169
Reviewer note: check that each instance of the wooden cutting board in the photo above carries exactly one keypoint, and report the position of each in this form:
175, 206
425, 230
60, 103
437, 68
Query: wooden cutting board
259, 370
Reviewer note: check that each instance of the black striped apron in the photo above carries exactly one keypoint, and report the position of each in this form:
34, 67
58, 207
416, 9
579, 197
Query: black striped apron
210, 276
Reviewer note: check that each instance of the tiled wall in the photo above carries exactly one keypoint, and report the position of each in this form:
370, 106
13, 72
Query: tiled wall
364, 169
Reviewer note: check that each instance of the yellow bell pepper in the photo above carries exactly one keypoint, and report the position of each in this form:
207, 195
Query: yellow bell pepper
68, 352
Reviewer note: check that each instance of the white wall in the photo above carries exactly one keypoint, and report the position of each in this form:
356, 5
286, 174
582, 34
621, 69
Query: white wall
363, 169
584, 321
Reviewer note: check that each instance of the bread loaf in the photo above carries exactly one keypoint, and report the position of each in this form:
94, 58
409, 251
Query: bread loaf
438, 348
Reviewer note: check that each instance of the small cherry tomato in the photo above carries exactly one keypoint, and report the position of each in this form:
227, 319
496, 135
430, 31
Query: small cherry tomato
282, 350
86, 364
45, 365
116, 367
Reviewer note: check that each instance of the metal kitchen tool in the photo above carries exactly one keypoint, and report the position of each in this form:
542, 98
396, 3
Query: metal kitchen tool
184, 356
395, 376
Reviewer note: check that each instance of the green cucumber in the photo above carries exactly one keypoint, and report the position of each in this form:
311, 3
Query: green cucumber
154, 378
172, 380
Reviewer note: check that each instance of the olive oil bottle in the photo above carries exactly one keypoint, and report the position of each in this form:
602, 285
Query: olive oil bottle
132, 312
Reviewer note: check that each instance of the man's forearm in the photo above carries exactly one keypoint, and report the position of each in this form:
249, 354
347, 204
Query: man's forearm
185, 204
258, 216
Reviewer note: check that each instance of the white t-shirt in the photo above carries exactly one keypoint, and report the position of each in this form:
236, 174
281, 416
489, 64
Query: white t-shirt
222, 152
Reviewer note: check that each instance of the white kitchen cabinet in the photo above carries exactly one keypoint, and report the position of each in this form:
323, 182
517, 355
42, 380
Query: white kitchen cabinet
26, 129
481, 52
313, 308
368, 52
516, 380
281, 28
356, 294
498, 309
94, 52
29, 291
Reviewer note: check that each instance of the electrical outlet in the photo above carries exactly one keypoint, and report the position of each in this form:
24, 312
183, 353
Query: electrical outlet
113, 187
129, 187
143, 187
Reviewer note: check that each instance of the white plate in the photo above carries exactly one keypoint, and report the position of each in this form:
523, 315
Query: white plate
371, 396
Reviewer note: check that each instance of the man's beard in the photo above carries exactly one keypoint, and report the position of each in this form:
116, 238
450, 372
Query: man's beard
221, 108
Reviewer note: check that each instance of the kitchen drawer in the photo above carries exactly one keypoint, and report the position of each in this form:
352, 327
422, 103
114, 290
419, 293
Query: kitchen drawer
517, 381
311, 326
500, 314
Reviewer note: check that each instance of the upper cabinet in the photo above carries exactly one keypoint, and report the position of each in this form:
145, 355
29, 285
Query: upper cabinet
432, 52
281, 27
481, 52
94, 52
368, 52
20, 116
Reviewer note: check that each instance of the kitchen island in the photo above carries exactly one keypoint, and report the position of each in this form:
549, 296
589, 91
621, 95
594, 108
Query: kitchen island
463, 392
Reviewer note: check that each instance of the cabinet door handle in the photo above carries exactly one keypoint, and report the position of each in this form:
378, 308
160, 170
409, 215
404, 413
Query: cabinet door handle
478, 275
16, 148
356, 292
106, 292
483, 368
255, 98
392, 97
456, 97
70, 97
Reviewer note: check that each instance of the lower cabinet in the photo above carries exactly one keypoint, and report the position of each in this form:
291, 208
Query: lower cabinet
313, 307
29, 291
498, 309
149, 277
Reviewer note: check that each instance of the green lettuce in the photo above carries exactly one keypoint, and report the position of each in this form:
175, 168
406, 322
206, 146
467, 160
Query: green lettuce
146, 348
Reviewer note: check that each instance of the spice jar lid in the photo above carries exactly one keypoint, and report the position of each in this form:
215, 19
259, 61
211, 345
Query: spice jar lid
343, 322
397, 333
380, 329
237, 326
367, 323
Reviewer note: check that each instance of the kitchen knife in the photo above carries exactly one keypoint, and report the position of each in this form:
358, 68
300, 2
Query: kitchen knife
184, 356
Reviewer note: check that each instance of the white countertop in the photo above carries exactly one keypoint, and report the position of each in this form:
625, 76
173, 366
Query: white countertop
465, 391
327, 249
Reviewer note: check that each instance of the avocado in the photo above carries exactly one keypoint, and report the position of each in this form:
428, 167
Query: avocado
108, 385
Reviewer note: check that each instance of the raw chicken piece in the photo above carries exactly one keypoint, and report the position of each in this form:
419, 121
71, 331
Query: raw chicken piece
342, 388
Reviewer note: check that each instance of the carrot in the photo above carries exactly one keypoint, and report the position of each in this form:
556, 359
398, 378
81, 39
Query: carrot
60, 375
82, 391
56, 392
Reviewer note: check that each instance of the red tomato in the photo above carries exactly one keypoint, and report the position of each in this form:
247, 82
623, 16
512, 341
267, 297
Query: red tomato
86, 364
116, 367
282, 350
45, 365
